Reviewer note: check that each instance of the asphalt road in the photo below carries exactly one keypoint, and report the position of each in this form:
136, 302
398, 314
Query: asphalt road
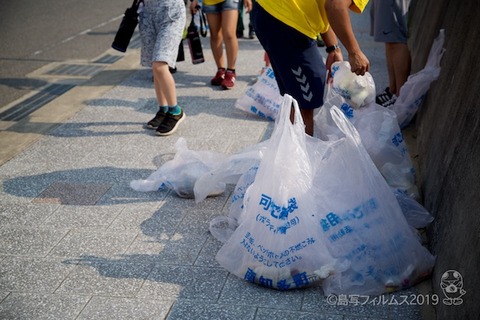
37, 33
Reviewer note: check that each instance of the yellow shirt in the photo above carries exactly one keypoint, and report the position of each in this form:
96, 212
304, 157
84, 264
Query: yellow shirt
308, 17
211, 2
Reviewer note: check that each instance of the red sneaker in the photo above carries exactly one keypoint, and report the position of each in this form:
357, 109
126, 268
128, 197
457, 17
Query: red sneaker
229, 80
219, 76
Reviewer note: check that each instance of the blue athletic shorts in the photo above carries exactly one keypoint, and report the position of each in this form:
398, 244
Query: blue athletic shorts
295, 58
222, 6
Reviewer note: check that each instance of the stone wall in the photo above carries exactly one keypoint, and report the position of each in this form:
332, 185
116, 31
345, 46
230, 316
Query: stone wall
448, 144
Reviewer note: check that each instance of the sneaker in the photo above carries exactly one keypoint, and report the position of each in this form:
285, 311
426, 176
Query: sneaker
170, 124
219, 76
251, 33
155, 122
229, 80
390, 102
384, 97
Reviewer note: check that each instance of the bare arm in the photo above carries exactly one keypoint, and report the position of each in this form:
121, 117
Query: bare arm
339, 18
193, 5
330, 39
248, 5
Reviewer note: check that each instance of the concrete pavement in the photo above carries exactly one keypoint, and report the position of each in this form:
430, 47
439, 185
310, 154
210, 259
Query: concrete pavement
76, 242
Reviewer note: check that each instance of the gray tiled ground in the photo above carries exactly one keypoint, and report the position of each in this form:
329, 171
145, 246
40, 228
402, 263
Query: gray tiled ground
76, 242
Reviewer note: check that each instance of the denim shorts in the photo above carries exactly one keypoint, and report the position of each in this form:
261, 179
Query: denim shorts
222, 6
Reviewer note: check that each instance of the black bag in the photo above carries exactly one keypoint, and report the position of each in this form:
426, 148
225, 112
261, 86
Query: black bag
194, 42
181, 53
127, 27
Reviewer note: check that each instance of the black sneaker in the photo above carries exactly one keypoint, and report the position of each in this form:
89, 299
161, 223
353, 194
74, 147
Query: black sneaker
390, 102
155, 122
170, 124
384, 97
251, 32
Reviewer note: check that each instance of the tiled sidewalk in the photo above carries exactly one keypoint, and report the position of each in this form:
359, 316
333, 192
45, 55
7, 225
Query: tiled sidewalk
76, 242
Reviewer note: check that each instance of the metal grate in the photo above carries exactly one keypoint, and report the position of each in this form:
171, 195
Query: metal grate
108, 59
76, 70
24, 108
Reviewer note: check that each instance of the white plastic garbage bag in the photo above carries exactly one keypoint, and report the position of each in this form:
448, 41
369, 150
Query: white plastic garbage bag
277, 243
263, 97
358, 91
361, 218
318, 212
228, 171
381, 136
181, 173
417, 85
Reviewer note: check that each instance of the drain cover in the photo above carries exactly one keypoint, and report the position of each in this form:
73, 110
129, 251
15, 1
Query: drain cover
82, 70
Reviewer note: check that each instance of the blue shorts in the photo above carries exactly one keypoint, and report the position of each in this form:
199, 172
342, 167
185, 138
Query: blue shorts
295, 58
222, 6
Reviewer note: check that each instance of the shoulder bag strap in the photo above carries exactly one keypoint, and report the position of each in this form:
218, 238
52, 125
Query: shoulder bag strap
203, 22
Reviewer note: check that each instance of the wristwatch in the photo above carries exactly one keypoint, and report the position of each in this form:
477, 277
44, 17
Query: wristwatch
332, 48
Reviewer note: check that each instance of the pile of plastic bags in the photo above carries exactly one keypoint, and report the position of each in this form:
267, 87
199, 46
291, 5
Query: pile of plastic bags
316, 212
306, 211
337, 210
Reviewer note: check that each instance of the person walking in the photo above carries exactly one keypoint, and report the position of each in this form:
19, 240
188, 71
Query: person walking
240, 24
161, 25
288, 30
222, 18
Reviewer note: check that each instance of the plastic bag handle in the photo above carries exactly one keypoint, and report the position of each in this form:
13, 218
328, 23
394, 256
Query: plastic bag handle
344, 124
285, 110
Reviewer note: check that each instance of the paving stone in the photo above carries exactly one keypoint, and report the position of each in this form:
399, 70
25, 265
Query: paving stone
27, 274
106, 277
41, 306
108, 308
74, 216
239, 291
273, 314
24, 214
180, 282
29, 241
204, 311
73, 193
93, 243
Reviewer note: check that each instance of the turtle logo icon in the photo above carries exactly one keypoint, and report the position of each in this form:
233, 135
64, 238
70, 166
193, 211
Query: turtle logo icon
452, 287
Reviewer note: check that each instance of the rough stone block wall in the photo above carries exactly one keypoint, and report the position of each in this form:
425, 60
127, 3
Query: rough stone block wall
448, 144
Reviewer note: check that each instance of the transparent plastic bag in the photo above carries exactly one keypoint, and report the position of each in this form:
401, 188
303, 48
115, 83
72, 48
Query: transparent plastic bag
263, 97
276, 243
227, 171
381, 136
181, 173
357, 90
416, 214
360, 216
417, 85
